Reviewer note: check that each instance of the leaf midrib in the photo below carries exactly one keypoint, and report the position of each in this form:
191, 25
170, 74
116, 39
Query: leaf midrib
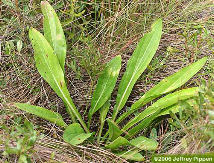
101, 94
53, 41
73, 109
136, 69
172, 82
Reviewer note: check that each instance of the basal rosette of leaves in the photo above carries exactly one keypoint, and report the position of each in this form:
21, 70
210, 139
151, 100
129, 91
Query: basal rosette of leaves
50, 54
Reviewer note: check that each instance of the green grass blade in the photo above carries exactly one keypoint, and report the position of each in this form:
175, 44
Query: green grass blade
53, 32
136, 65
166, 85
162, 103
42, 113
49, 68
105, 85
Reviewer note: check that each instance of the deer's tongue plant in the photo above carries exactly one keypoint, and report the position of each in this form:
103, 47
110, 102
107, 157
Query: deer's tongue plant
50, 53
140, 59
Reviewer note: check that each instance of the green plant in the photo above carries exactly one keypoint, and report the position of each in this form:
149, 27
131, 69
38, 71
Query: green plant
196, 36
193, 124
50, 53
19, 140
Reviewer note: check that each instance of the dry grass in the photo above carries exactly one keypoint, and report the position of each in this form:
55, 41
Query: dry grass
51, 150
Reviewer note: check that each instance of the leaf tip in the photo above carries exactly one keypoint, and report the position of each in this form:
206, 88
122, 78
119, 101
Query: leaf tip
44, 3
118, 56
11, 104
204, 59
31, 30
157, 24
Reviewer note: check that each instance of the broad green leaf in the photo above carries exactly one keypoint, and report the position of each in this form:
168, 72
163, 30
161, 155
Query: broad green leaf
136, 65
175, 108
53, 32
144, 143
114, 130
120, 141
166, 85
162, 103
131, 155
74, 134
42, 113
105, 85
170, 83
49, 68
79, 138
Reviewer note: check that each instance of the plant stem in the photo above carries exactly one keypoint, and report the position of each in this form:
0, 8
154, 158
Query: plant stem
75, 112
105, 136
100, 132
71, 113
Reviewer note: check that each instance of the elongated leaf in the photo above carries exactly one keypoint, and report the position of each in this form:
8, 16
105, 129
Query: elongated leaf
175, 108
114, 130
105, 85
103, 113
74, 134
166, 85
170, 83
144, 143
162, 103
148, 120
49, 68
142, 125
131, 155
53, 32
120, 141
140, 59
42, 113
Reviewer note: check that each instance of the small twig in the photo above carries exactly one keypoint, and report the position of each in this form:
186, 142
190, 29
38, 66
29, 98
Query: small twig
17, 4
